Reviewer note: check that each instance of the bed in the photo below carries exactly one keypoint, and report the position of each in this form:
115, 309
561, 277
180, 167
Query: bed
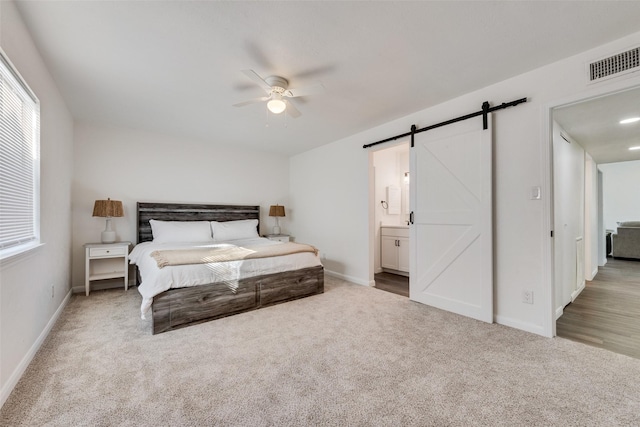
174, 299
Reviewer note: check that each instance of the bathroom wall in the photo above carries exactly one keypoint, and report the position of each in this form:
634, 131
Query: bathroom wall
390, 166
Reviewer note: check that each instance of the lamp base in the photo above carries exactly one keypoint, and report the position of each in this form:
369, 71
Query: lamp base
108, 236
276, 230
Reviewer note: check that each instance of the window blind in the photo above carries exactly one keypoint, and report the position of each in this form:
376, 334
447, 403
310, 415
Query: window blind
19, 159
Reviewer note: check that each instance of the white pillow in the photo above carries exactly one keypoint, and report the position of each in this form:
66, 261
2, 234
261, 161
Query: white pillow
233, 230
180, 231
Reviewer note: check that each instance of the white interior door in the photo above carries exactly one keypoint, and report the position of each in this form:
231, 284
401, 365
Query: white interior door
452, 234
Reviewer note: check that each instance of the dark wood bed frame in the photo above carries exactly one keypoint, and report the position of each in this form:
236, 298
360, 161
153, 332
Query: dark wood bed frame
180, 307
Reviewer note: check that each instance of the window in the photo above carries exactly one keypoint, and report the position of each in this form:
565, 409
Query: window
19, 162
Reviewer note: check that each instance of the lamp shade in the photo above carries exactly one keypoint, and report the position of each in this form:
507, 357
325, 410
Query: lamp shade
108, 208
276, 210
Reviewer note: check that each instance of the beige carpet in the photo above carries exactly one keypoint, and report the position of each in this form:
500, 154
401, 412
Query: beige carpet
353, 356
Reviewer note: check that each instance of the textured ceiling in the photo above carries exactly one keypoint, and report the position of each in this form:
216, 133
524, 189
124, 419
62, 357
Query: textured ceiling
174, 66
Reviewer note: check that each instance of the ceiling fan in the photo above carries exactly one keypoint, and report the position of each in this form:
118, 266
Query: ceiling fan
278, 92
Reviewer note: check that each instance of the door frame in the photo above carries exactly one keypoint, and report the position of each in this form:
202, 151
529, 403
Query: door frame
626, 83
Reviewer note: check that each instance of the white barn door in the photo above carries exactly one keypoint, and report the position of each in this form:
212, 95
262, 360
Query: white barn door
452, 234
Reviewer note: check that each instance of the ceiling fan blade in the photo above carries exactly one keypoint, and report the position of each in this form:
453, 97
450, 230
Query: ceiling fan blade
292, 110
305, 91
251, 101
257, 79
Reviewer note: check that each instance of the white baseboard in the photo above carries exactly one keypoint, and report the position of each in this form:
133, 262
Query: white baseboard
518, 324
26, 360
349, 278
575, 293
559, 312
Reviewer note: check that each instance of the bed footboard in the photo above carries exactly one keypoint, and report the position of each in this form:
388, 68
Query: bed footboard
177, 308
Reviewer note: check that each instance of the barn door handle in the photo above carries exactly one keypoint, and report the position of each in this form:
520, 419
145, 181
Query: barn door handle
411, 218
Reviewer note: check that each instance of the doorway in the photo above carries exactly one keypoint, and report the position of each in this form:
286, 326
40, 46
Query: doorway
587, 138
390, 183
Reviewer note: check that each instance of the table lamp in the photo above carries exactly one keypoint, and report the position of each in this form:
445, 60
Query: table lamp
276, 211
108, 209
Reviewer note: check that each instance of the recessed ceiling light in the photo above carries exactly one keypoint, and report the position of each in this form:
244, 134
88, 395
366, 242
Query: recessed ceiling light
630, 120
635, 148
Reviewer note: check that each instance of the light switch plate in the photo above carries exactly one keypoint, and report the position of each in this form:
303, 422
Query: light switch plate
536, 193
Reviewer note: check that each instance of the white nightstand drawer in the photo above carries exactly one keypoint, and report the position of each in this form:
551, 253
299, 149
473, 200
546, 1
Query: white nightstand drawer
101, 252
279, 237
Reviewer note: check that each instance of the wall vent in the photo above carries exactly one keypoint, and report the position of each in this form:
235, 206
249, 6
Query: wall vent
613, 66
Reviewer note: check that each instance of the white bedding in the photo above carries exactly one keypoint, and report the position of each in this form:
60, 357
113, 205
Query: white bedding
156, 280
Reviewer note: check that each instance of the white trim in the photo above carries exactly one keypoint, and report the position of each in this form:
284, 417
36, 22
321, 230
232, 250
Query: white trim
518, 324
559, 312
26, 360
349, 278
548, 288
16, 74
16, 254
577, 292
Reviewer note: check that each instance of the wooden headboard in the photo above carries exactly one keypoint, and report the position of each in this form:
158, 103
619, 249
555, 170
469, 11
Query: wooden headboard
189, 212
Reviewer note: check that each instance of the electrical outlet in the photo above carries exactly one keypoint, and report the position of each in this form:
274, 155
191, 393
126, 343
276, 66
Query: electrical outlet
53, 290
527, 296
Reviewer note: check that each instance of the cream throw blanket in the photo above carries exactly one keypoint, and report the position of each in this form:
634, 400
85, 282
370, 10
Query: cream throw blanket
232, 253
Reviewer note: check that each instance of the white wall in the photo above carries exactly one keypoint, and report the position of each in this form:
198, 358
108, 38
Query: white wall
621, 192
27, 307
335, 175
569, 210
329, 189
133, 166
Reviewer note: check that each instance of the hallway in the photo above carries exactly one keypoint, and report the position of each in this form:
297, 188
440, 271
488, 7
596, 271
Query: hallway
607, 312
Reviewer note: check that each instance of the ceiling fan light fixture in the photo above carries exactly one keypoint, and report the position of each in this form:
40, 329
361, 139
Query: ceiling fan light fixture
276, 104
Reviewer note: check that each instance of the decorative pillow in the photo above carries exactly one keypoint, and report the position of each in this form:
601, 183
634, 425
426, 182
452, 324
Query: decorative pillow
233, 230
629, 224
180, 231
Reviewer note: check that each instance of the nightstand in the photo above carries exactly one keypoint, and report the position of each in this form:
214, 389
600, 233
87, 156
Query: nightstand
278, 237
106, 261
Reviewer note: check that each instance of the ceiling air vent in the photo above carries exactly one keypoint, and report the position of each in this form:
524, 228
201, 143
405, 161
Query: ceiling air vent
613, 66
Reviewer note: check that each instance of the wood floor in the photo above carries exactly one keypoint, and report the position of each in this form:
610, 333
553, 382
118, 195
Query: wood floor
393, 283
607, 312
